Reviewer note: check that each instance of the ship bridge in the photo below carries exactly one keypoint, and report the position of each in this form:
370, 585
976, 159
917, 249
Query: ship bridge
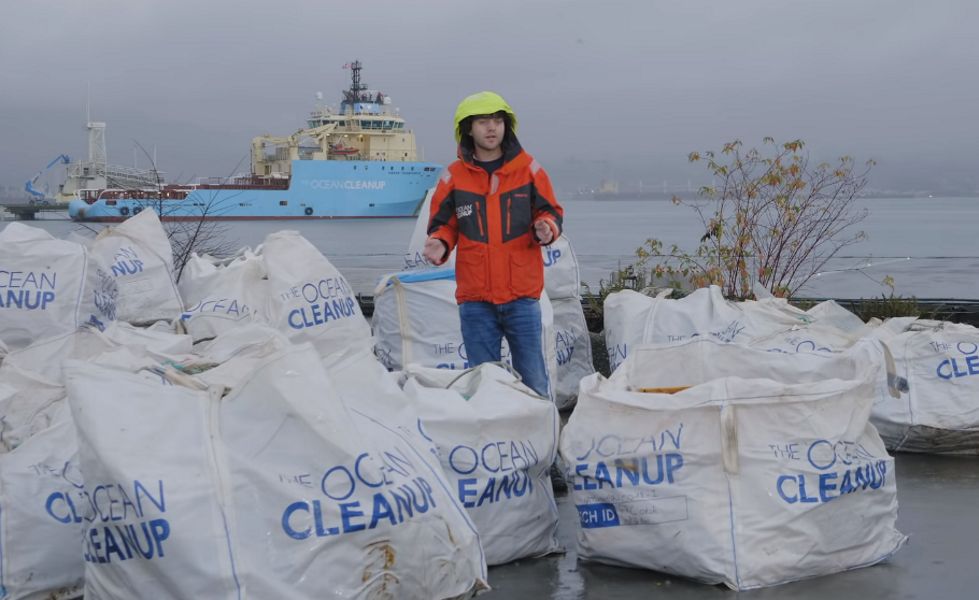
365, 128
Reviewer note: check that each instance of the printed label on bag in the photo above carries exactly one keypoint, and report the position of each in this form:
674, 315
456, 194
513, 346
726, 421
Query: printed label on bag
833, 469
382, 489
629, 480
127, 521
329, 299
27, 290
494, 472
963, 362
126, 262
634, 509
224, 307
564, 341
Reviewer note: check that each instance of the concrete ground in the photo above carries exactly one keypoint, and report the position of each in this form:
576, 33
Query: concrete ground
938, 508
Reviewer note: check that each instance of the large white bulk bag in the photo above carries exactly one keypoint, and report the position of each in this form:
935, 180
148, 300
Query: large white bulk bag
416, 321
249, 346
830, 328
762, 469
138, 255
49, 286
43, 509
829, 312
938, 411
572, 349
28, 403
353, 531
561, 275
310, 299
632, 318
44, 357
222, 295
496, 441
161, 525
278, 490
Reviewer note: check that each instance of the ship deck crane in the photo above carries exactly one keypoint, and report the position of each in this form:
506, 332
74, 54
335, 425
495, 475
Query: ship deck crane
37, 196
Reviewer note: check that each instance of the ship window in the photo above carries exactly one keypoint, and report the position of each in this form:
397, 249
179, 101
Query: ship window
283, 203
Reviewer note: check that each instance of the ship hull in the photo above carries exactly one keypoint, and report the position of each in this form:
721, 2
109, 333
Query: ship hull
317, 190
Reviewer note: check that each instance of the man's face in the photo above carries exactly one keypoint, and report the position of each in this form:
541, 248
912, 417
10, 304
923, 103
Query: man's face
487, 132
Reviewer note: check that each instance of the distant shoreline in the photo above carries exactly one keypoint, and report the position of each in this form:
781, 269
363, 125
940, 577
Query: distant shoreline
694, 196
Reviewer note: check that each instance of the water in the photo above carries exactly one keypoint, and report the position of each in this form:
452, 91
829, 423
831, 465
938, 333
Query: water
937, 509
938, 235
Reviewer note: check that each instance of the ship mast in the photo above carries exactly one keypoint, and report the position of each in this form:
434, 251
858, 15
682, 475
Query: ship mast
356, 91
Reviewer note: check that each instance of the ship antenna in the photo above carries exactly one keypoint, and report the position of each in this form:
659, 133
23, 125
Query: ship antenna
356, 87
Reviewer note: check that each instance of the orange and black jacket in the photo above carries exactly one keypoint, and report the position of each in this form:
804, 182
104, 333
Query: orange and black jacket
490, 219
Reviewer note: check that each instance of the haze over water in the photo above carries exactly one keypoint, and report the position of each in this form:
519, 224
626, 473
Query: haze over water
937, 234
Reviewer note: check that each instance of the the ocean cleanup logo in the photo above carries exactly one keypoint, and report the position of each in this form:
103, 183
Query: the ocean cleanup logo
127, 520
617, 354
445, 353
329, 299
564, 341
958, 366
27, 290
494, 472
551, 256
843, 467
616, 461
374, 490
228, 307
127, 262
628, 480
105, 294
344, 184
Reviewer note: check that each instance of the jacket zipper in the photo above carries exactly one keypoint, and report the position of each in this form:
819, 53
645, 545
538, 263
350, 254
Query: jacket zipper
479, 221
508, 211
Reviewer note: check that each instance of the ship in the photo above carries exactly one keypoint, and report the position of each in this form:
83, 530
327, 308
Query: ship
358, 161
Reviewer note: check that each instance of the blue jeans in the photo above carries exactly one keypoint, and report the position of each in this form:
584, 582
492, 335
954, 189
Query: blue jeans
485, 324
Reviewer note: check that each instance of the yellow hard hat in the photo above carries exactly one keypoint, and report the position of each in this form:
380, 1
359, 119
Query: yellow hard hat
483, 103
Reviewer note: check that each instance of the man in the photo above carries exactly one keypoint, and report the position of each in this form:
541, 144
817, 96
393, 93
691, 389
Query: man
496, 207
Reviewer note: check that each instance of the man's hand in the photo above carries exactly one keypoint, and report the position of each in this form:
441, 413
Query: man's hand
543, 232
434, 250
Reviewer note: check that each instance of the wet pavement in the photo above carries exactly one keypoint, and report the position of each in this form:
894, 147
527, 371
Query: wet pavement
938, 508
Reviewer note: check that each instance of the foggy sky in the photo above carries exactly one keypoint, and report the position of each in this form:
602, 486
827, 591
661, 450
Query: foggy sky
602, 88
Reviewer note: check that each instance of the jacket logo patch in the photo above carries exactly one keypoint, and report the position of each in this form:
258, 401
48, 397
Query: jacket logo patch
520, 195
464, 211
